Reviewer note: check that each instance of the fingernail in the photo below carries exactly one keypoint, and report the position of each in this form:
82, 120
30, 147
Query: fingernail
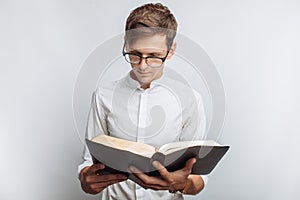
155, 163
123, 177
131, 168
102, 166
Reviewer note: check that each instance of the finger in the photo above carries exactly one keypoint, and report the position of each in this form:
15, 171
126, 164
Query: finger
138, 181
148, 186
95, 167
104, 178
158, 165
158, 187
135, 170
189, 165
114, 176
148, 180
102, 185
161, 169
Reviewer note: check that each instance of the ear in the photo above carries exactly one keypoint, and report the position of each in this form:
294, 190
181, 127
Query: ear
172, 50
125, 43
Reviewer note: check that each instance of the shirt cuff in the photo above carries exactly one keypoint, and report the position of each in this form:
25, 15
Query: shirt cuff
204, 178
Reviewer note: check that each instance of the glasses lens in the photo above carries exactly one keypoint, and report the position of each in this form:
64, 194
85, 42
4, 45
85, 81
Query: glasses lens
136, 59
131, 58
154, 62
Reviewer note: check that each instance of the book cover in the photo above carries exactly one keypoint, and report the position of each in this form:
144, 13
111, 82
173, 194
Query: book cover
117, 155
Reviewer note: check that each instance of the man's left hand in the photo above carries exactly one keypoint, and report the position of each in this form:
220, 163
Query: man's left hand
172, 181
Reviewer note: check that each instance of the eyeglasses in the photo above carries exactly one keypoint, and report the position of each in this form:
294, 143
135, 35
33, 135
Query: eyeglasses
152, 61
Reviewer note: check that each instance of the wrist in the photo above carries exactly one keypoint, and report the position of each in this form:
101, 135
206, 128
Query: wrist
82, 171
184, 190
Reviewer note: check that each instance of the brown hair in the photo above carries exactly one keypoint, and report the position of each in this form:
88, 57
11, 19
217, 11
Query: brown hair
155, 16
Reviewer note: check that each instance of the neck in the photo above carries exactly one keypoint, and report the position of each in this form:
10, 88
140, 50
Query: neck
142, 85
145, 86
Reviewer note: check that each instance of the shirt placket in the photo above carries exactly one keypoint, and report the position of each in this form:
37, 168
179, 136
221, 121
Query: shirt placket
141, 133
142, 118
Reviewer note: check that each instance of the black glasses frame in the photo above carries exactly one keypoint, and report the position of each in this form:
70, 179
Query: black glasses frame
146, 58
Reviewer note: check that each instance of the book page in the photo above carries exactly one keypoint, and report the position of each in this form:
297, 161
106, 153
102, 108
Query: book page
175, 146
134, 147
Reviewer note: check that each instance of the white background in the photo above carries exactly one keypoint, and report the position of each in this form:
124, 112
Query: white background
254, 44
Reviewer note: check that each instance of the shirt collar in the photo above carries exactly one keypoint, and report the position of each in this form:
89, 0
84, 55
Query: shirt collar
136, 85
131, 82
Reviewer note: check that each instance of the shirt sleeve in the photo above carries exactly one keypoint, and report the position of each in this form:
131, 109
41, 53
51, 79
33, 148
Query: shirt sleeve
96, 125
194, 126
194, 119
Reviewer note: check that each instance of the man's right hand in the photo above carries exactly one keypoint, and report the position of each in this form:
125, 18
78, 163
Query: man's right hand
93, 182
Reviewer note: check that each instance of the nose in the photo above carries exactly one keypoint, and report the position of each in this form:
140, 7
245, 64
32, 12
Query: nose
143, 65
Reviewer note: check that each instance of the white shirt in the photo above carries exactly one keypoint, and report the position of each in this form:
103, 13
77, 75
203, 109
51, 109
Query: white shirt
167, 111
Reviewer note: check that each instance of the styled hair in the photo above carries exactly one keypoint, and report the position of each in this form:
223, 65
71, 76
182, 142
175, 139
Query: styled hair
154, 19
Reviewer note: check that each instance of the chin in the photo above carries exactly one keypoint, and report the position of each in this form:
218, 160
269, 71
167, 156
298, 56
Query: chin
144, 82
144, 78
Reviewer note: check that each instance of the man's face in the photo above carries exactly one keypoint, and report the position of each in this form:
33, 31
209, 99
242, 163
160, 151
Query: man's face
148, 46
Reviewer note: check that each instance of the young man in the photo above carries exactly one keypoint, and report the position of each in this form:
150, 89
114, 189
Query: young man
145, 106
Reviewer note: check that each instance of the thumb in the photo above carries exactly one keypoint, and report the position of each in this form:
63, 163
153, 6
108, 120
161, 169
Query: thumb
95, 167
189, 164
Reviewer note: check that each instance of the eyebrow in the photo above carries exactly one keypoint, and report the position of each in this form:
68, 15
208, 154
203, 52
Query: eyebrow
151, 53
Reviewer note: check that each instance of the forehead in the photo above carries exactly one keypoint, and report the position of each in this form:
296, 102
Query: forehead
155, 43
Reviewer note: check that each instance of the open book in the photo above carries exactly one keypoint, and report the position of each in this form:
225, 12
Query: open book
118, 154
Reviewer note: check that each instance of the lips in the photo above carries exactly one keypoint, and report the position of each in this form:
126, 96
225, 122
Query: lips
144, 73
